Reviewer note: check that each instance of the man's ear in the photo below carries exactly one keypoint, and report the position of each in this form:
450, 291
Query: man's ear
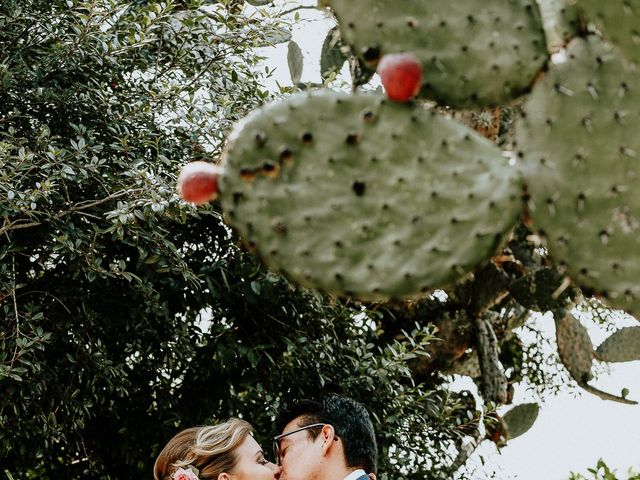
328, 435
223, 476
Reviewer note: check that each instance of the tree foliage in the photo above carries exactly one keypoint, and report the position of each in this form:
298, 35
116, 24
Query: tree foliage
602, 472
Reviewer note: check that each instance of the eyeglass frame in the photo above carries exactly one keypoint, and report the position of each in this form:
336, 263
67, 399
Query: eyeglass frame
277, 438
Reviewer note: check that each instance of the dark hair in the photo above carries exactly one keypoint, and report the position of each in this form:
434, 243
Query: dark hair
349, 419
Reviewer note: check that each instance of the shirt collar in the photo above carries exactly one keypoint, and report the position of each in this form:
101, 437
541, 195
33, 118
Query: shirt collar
355, 475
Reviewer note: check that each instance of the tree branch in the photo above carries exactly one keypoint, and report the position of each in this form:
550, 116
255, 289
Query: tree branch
301, 7
15, 307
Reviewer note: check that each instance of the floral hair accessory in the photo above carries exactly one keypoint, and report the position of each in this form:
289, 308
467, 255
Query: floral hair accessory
189, 473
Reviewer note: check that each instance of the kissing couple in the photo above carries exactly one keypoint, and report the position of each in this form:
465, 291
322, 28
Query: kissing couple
330, 438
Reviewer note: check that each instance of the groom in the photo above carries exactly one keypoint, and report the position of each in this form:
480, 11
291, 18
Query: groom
330, 438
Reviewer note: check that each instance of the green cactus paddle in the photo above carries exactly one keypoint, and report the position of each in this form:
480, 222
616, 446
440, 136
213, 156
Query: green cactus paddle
473, 53
580, 150
359, 196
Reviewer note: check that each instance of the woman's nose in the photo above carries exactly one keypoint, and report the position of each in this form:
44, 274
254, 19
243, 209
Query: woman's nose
276, 469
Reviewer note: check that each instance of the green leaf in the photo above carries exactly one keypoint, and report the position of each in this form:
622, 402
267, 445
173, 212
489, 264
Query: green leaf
256, 287
275, 36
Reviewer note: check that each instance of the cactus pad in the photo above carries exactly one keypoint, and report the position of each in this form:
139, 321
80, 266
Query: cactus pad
359, 196
473, 53
520, 419
574, 347
621, 346
494, 385
580, 149
577, 354
619, 22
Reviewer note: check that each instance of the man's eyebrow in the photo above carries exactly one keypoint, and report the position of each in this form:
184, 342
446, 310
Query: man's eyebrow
283, 439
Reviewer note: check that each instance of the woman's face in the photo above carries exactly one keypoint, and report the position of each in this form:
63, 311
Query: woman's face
252, 465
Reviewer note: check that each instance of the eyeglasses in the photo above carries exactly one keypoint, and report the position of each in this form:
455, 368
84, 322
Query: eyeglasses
277, 438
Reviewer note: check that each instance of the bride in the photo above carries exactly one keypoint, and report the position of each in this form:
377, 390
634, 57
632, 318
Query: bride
226, 451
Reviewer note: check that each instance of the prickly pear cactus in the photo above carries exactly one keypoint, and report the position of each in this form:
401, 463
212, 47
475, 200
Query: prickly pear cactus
576, 353
367, 198
579, 146
473, 53
359, 196
619, 22
621, 346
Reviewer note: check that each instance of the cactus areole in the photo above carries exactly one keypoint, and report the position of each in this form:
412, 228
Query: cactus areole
401, 76
198, 182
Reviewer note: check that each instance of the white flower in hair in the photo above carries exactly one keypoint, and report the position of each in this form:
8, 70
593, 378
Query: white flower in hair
189, 473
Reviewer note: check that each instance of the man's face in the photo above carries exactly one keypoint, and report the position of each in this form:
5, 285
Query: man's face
300, 457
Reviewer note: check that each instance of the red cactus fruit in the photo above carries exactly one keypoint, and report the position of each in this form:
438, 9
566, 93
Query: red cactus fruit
198, 182
401, 75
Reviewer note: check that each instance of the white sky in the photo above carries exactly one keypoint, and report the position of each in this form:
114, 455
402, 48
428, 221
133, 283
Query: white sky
573, 430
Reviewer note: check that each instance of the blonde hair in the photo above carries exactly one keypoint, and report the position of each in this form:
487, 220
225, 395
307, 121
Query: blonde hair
210, 449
